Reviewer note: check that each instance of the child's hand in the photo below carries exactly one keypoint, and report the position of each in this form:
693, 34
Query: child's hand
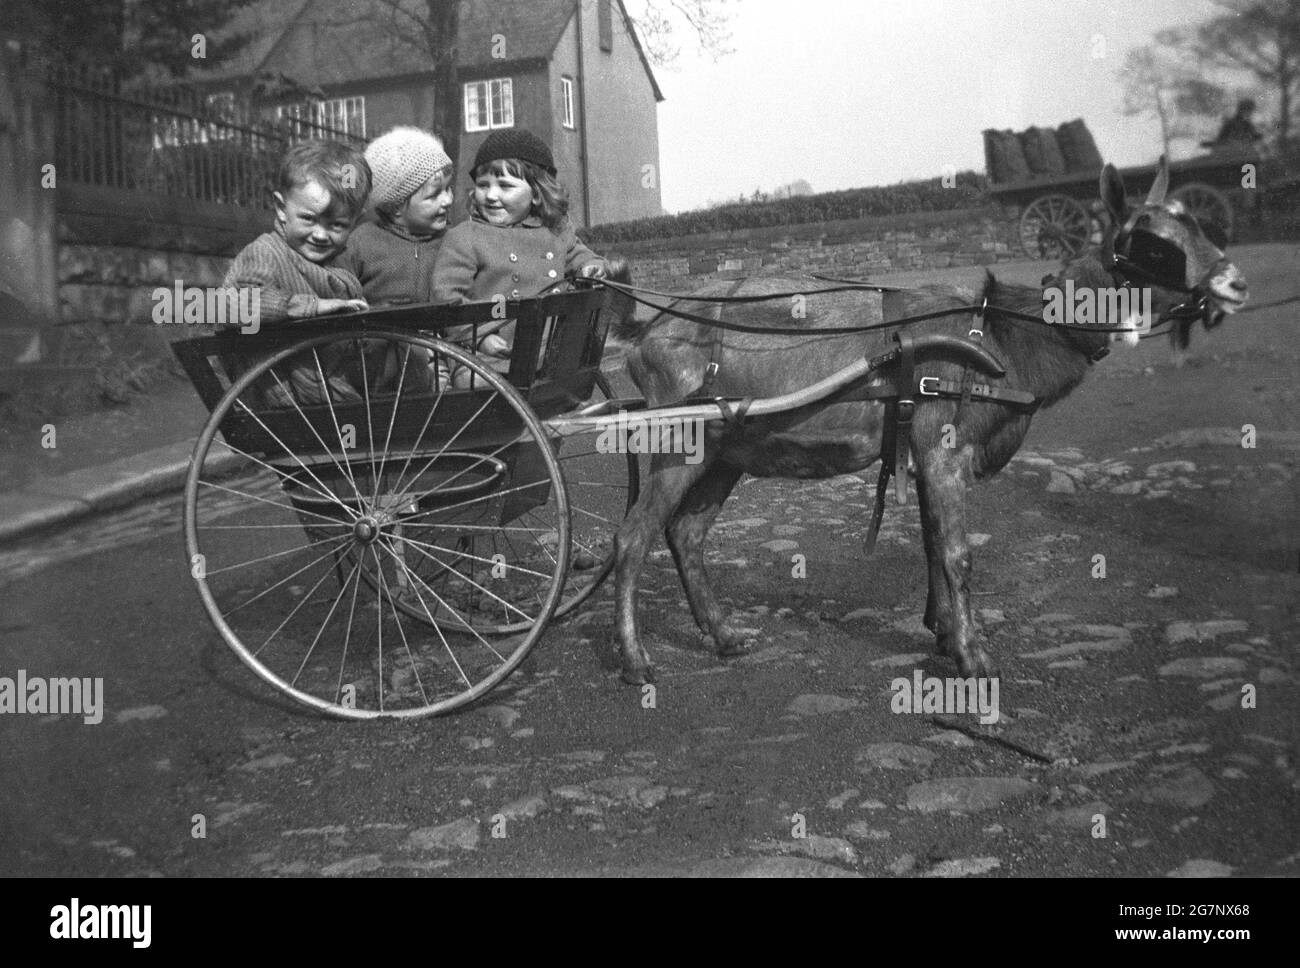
493, 345
325, 306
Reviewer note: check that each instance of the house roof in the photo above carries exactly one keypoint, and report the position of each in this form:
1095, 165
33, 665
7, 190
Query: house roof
332, 42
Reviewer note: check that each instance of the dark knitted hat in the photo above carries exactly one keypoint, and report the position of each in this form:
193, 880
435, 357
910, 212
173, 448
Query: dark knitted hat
514, 143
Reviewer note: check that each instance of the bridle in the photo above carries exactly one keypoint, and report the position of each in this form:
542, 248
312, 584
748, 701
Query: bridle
1138, 255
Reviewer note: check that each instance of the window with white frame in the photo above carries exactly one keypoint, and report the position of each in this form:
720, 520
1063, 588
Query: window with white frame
489, 104
566, 89
325, 119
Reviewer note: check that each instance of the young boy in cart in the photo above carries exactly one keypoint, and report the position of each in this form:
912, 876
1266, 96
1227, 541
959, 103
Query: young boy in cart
320, 194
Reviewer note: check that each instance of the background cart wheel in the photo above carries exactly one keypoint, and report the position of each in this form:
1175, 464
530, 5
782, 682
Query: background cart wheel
312, 562
1054, 227
602, 490
1207, 204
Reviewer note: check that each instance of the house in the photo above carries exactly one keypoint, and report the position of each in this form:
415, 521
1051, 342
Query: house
572, 71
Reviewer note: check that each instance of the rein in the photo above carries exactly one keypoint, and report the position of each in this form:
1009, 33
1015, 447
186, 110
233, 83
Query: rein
900, 396
630, 292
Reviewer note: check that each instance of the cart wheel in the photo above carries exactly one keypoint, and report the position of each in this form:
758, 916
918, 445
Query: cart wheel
1206, 204
352, 517
1054, 227
602, 490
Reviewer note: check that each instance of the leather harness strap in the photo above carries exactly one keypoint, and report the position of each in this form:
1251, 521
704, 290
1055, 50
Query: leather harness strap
704, 392
904, 408
976, 335
896, 434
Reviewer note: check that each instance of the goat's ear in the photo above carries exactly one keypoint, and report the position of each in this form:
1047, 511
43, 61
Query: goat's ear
1112, 193
1161, 185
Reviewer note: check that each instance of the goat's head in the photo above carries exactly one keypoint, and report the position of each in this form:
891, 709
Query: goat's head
1159, 244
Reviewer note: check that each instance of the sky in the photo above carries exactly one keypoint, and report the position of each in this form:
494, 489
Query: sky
854, 93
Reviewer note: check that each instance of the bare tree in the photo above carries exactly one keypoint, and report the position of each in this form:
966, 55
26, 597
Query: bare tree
1257, 39
659, 23
1156, 84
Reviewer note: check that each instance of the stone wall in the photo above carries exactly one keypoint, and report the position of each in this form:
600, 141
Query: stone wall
855, 248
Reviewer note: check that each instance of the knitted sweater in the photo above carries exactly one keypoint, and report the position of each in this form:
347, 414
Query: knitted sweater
392, 264
290, 286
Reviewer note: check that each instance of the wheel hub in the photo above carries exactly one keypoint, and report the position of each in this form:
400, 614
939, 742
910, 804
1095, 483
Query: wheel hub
366, 530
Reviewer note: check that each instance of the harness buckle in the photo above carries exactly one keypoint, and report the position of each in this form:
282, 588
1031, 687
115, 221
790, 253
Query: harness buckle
905, 408
975, 331
711, 370
925, 391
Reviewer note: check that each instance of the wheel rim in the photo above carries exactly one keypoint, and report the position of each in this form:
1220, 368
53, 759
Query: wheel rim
1207, 204
1054, 227
602, 490
312, 561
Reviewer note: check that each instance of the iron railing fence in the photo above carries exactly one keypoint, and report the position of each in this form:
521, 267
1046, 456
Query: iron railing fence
176, 140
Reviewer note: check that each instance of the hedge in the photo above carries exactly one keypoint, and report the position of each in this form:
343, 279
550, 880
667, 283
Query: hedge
970, 191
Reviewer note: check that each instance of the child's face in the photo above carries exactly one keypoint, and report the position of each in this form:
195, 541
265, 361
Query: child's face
313, 225
425, 212
503, 199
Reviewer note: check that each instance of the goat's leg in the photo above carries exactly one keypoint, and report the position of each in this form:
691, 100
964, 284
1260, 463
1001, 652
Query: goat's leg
685, 535
936, 595
943, 509
668, 482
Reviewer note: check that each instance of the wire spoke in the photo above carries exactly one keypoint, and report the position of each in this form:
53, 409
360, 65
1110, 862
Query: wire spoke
325, 490
289, 577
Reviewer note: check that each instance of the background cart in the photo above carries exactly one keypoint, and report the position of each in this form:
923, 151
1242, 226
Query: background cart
1051, 178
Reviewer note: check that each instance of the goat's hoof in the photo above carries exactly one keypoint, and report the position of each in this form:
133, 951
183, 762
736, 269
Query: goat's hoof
638, 675
732, 642
977, 664
730, 648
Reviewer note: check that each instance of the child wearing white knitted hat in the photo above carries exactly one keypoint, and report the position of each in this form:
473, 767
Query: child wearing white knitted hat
411, 196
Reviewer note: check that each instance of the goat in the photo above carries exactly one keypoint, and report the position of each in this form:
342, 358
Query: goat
667, 356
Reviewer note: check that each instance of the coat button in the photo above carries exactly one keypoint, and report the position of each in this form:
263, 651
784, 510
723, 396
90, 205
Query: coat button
552, 273
515, 277
513, 257
550, 255
514, 294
